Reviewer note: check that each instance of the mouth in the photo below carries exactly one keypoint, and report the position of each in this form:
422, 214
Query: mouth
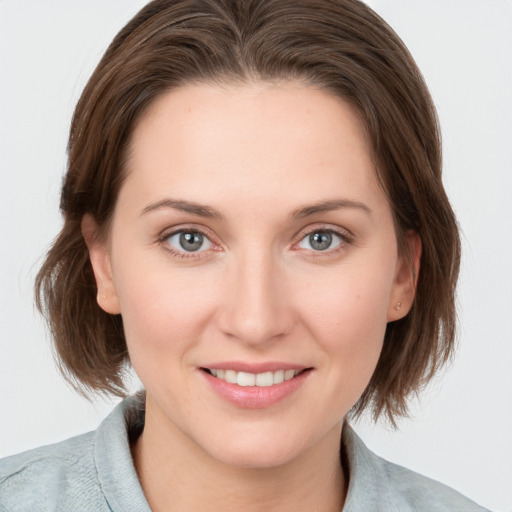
246, 379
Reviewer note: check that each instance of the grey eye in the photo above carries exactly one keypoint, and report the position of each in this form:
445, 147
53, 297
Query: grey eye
320, 240
189, 241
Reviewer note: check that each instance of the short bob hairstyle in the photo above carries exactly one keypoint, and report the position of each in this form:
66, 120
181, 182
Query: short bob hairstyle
340, 46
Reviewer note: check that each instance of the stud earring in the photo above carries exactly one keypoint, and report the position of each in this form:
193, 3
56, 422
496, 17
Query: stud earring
398, 306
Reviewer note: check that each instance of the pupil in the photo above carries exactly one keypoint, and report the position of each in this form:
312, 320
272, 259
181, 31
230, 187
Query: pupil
320, 240
191, 241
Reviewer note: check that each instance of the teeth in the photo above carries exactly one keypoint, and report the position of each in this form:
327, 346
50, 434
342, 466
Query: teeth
230, 376
245, 379
265, 379
289, 374
254, 379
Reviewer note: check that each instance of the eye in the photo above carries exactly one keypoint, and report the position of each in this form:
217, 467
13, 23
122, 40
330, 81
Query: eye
188, 241
321, 240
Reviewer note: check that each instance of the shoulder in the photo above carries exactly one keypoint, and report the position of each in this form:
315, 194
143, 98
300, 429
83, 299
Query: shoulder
60, 476
421, 493
93, 471
379, 485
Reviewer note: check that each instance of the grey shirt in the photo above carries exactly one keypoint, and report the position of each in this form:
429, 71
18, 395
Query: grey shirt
95, 472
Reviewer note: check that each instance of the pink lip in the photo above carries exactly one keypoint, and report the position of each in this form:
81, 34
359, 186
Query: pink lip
240, 366
255, 397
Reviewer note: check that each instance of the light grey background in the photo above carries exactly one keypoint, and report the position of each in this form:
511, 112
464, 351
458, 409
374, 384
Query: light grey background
461, 431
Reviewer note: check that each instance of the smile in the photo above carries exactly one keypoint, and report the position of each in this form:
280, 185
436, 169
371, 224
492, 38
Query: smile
267, 385
246, 379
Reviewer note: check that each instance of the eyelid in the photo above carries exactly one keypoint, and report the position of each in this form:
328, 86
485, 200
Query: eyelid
167, 233
346, 236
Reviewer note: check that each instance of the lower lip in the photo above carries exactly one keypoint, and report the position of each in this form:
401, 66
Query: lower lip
255, 397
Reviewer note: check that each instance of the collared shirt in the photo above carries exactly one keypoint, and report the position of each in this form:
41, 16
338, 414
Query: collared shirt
94, 472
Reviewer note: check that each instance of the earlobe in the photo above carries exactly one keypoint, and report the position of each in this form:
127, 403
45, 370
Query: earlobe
100, 260
406, 278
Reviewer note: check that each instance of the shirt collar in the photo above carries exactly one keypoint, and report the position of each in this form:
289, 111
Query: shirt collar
368, 487
116, 472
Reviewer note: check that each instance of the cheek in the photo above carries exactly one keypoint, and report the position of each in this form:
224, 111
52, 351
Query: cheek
348, 299
347, 315
163, 311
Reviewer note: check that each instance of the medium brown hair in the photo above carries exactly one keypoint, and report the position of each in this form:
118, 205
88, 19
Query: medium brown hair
339, 45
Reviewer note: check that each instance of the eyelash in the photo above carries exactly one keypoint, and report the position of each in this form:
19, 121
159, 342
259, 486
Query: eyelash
162, 240
346, 238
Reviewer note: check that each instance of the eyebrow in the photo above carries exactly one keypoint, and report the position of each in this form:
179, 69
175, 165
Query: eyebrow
326, 206
209, 212
184, 206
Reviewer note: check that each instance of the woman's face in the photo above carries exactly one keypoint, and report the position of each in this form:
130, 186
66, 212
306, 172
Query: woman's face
252, 241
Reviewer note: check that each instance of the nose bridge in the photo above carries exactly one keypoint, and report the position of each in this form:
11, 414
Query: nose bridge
257, 309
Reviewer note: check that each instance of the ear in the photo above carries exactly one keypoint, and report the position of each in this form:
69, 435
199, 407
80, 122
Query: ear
100, 261
406, 277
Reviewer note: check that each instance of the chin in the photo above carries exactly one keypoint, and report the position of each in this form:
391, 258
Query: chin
258, 449
255, 458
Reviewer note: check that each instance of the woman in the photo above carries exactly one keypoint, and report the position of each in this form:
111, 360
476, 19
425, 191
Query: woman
254, 219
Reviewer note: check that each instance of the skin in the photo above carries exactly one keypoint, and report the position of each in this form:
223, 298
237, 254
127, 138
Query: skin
256, 291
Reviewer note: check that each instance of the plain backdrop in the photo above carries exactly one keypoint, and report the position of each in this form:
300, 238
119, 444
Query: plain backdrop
461, 429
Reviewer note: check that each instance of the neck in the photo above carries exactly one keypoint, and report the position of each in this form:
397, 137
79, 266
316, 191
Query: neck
176, 474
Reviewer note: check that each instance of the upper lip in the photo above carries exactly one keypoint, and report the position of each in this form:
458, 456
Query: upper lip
241, 366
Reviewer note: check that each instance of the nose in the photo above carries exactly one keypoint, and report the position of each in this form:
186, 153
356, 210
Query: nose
257, 308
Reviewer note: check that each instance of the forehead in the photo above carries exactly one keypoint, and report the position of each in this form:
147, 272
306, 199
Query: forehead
258, 140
